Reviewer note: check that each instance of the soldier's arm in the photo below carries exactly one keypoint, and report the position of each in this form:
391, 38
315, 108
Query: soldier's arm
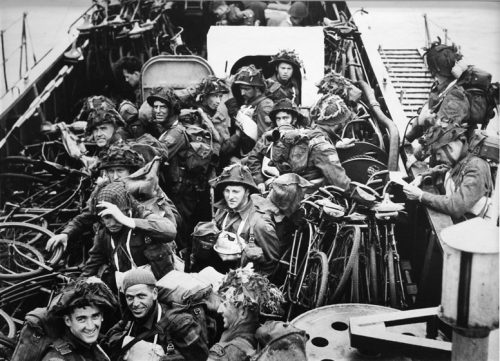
325, 158
455, 107
175, 141
220, 352
157, 227
97, 256
78, 225
263, 113
254, 160
476, 183
188, 337
267, 239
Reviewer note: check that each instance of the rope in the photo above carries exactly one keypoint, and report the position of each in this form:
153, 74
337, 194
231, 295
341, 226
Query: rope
13, 23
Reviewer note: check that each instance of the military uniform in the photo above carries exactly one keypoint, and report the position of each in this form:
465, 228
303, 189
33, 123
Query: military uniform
277, 90
178, 333
236, 344
70, 348
305, 152
468, 184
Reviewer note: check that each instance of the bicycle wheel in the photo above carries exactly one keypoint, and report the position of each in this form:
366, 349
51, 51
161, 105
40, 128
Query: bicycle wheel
32, 235
373, 273
341, 260
7, 326
311, 291
391, 280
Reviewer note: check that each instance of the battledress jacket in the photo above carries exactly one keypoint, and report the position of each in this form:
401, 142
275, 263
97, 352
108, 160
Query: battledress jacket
263, 106
145, 246
472, 181
236, 344
176, 327
277, 90
312, 160
70, 348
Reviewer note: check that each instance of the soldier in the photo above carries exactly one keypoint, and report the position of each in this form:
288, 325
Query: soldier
232, 14
82, 307
103, 126
285, 81
297, 14
245, 294
130, 68
167, 330
249, 88
118, 163
306, 152
130, 237
448, 102
467, 181
191, 155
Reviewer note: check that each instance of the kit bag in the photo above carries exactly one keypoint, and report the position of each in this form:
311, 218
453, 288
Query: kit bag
199, 153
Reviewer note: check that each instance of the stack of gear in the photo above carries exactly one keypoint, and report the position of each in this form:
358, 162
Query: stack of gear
335, 83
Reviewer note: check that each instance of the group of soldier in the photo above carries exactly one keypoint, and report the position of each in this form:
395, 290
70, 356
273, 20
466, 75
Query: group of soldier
216, 181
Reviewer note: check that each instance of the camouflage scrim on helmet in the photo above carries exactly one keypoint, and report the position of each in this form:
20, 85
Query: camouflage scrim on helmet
331, 110
287, 56
335, 83
167, 96
211, 85
97, 117
83, 293
121, 155
115, 193
441, 58
245, 288
95, 102
438, 136
251, 76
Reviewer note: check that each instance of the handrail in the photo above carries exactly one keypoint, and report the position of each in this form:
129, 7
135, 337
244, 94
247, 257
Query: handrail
392, 162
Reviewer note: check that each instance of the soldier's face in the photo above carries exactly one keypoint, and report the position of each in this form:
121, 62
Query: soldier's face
213, 101
112, 225
85, 323
248, 92
283, 118
132, 78
160, 111
230, 313
450, 153
140, 299
117, 173
235, 196
102, 134
285, 71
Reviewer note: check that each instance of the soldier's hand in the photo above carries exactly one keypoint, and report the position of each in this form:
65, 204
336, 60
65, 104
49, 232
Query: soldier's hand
58, 239
412, 192
112, 210
440, 169
261, 187
345, 143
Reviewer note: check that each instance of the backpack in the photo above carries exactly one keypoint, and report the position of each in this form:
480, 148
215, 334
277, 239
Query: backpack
481, 94
198, 157
37, 334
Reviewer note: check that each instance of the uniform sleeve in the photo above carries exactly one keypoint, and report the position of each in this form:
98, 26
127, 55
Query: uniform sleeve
324, 156
475, 184
262, 115
455, 107
78, 225
255, 157
229, 352
174, 141
266, 238
97, 256
157, 226
113, 340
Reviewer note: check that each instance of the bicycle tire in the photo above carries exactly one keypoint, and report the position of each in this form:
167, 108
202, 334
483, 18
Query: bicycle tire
316, 258
374, 289
55, 256
393, 301
346, 274
355, 291
27, 273
9, 323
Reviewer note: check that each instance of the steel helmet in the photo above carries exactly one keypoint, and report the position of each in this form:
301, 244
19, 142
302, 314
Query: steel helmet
121, 155
441, 58
128, 111
250, 75
298, 10
287, 105
235, 174
335, 83
167, 96
228, 246
211, 85
289, 57
436, 137
96, 117
330, 109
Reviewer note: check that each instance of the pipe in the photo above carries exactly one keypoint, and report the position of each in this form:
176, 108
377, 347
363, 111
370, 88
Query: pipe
392, 163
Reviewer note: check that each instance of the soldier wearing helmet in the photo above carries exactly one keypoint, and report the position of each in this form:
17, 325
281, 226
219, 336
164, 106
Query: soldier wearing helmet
297, 15
448, 102
129, 236
249, 89
81, 307
467, 183
118, 163
232, 14
103, 126
285, 81
245, 295
290, 149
